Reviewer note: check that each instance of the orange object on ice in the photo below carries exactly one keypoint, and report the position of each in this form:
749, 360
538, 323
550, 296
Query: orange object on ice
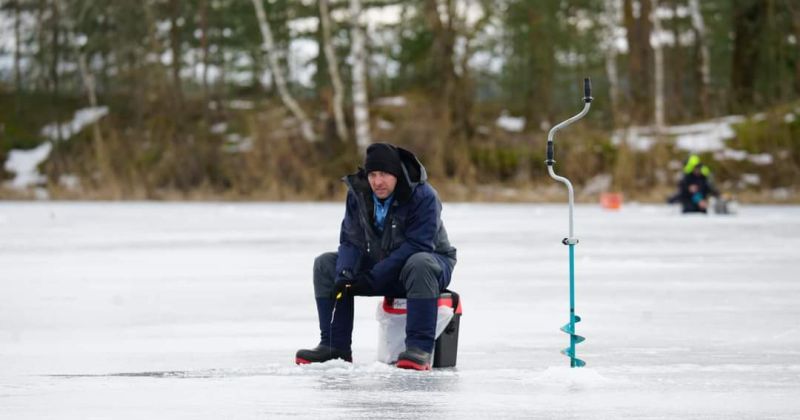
611, 201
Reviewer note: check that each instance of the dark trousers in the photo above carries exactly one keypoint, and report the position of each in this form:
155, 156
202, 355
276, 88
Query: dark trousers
422, 278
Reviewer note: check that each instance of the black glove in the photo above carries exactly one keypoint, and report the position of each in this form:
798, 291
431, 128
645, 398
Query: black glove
352, 286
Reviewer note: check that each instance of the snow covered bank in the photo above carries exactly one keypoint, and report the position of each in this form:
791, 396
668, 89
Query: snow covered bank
708, 136
695, 138
24, 163
81, 119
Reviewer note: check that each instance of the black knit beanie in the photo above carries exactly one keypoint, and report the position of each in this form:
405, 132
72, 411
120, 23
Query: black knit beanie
383, 157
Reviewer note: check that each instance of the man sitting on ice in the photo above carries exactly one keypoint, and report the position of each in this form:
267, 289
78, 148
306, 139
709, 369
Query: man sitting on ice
392, 243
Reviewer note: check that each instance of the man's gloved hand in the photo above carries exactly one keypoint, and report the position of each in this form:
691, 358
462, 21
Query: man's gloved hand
349, 285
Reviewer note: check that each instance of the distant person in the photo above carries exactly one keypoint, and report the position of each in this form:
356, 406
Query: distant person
392, 243
695, 188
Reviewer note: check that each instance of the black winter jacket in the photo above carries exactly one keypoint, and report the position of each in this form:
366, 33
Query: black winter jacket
413, 224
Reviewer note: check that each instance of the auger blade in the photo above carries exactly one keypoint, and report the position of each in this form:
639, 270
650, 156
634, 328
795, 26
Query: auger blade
567, 328
569, 352
574, 361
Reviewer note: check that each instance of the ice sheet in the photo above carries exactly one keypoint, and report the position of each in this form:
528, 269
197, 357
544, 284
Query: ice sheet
138, 310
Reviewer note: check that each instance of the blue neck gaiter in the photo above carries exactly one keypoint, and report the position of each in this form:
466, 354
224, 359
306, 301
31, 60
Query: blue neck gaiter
381, 209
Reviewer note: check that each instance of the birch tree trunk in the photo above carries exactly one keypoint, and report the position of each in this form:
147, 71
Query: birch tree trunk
277, 74
358, 54
55, 74
704, 66
89, 84
333, 69
659, 69
101, 156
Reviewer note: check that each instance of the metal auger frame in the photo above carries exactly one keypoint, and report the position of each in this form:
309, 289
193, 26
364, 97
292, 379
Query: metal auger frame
571, 240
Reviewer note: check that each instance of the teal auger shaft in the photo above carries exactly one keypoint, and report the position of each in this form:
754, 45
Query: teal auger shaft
571, 240
573, 319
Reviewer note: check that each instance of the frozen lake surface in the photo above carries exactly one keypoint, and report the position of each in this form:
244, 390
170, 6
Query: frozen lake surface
141, 310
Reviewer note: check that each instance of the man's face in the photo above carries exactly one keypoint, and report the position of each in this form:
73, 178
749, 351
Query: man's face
382, 183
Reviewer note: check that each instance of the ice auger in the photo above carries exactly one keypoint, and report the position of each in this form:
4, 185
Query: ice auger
571, 240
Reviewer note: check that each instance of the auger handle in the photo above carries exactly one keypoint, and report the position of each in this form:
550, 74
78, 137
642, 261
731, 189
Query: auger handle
587, 90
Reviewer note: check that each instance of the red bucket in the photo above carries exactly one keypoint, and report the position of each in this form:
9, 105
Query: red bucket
611, 201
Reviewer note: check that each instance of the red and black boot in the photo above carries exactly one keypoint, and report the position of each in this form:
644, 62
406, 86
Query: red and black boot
414, 358
321, 353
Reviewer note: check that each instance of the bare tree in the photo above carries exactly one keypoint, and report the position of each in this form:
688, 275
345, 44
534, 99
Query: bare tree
175, 16
704, 62
277, 74
99, 145
638, 29
358, 54
333, 69
89, 85
204, 46
612, 20
659, 68
17, 45
749, 20
794, 9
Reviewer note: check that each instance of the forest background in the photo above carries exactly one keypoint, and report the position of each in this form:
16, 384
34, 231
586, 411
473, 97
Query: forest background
277, 99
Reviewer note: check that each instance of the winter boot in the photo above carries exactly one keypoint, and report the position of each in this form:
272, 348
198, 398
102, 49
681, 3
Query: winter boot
335, 332
335, 329
414, 358
321, 353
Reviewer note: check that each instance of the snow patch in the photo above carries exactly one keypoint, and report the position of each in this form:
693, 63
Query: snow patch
751, 179
701, 137
598, 184
240, 104
81, 119
303, 25
509, 123
384, 125
705, 137
781, 194
301, 61
219, 128
382, 16
634, 138
70, 181
24, 163
740, 155
238, 144
396, 101
731, 154
761, 159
